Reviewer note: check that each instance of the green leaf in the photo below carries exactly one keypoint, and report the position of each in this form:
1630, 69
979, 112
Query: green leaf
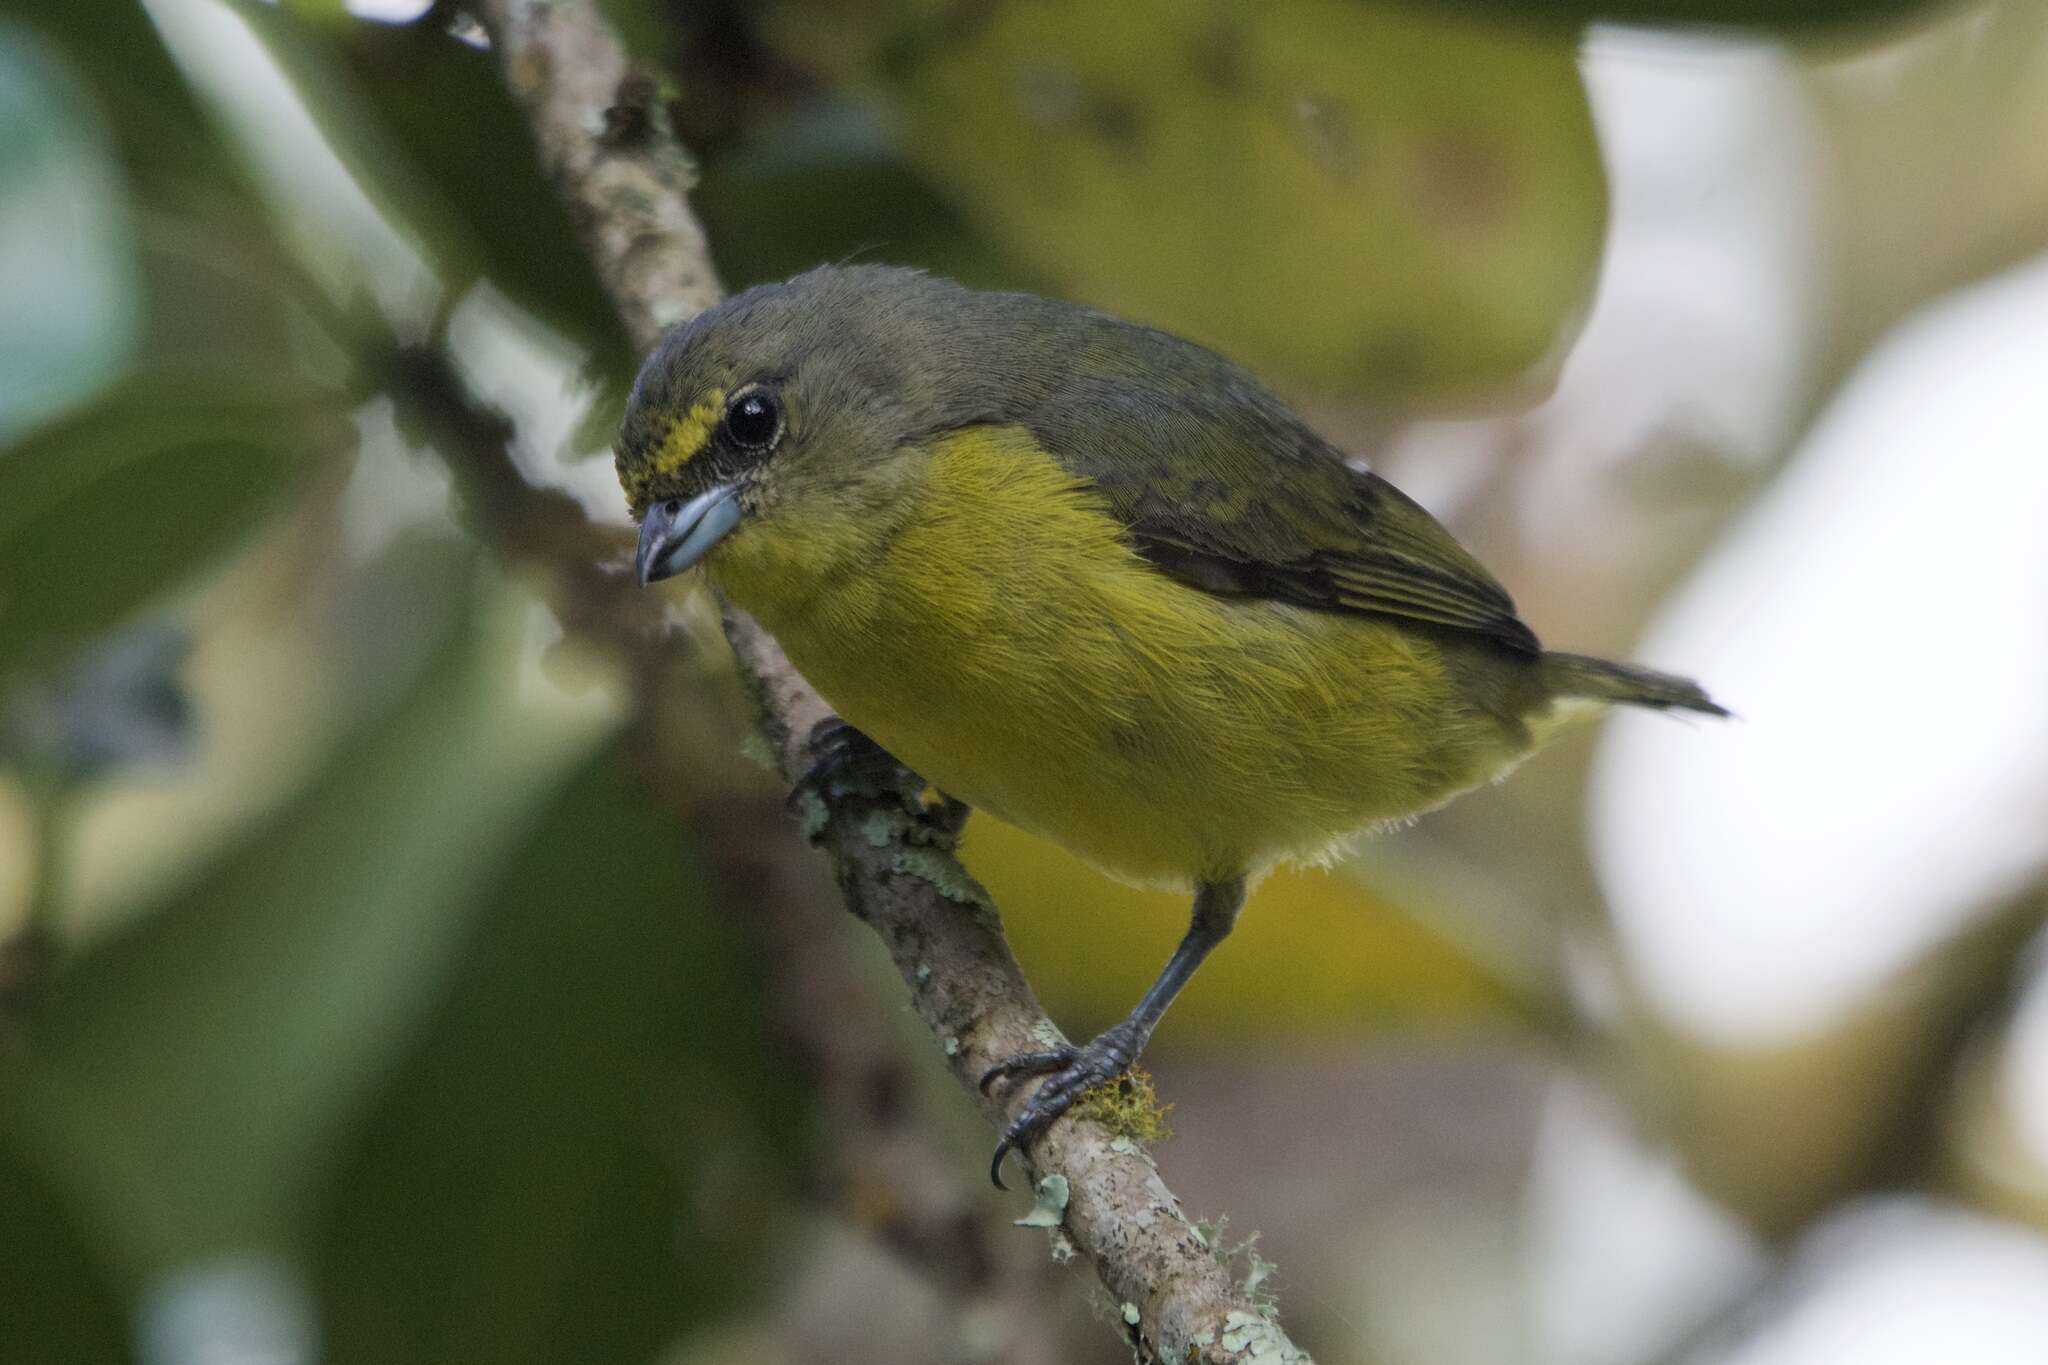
424, 123
1368, 201
1316, 956
322, 11
118, 501
188, 1082
1791, 15
69, 285
56, 1302
573, 1164
828, 185
164, 137
642, 25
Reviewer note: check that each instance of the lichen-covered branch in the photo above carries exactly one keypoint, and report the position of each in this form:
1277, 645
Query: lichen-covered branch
601, 133
604, 140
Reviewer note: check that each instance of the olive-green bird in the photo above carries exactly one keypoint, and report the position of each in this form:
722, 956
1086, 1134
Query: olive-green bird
1092, 579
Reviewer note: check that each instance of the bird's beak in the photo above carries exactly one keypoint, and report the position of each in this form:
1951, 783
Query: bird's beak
674, 535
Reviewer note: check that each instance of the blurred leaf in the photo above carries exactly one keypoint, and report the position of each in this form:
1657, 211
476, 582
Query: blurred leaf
1313, 189
187, 1081
827, 185
1994, 1141
1992, 1156
215, 281
1316, 954
1792, 15
398, 614
1780, 1133
56, 1305
571, 1166
119, 501
236, 1308
164, 136
325, 11
423, 121
1935, 171
68, 272
641, 24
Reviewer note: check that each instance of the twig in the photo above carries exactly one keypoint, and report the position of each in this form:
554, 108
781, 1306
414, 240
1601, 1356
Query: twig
602, 136
606, 144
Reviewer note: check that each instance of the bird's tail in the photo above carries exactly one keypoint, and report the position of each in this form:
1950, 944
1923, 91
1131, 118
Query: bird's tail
1579, 675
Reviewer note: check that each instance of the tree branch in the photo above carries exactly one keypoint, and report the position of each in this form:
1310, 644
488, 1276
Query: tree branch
603, 138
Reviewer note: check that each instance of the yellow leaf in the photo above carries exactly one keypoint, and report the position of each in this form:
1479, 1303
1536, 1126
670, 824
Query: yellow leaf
1360, 200
1316, 954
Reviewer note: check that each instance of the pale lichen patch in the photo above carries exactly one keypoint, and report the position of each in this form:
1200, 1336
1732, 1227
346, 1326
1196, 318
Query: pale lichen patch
811, 814
1050, 1207
878, 827
945, 875
759, 750
1256, 1338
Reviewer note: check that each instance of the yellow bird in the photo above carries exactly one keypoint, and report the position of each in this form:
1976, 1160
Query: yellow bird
1092, 579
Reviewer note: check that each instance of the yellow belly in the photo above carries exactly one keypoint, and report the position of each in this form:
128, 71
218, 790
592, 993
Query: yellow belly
1008, 645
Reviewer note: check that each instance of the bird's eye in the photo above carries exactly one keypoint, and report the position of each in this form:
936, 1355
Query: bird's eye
753, 419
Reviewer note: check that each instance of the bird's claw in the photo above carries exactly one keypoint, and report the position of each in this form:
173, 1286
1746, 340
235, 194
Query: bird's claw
1030, 1064
845, 764
1070, 1073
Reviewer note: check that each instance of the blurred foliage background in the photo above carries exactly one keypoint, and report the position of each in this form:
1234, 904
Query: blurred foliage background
361, 998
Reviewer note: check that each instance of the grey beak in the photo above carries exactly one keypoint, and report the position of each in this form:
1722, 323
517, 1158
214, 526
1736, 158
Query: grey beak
674, 534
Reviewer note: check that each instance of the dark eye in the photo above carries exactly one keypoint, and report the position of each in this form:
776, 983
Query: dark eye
753, 419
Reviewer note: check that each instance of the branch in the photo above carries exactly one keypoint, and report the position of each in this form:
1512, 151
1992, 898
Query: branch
604, 140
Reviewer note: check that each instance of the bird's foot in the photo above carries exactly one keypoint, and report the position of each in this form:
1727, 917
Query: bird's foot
1070, 1073
847, 766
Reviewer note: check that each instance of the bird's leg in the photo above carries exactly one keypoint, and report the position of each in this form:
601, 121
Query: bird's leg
1070, 1071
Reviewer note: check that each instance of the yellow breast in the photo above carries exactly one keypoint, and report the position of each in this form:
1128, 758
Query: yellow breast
1007, 643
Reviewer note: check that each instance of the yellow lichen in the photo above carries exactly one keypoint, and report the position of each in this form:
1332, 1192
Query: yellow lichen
1128, 1106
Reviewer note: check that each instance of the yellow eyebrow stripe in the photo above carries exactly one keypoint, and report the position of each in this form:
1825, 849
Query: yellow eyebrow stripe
689, 436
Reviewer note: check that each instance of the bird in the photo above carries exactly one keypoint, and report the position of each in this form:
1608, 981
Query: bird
1092, 579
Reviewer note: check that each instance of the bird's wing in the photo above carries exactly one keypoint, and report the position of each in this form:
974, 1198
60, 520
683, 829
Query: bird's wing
1228, 491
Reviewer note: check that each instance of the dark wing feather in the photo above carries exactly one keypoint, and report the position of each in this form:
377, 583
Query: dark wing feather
1225, 489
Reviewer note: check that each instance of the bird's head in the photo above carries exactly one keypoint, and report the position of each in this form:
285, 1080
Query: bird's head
788, 420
